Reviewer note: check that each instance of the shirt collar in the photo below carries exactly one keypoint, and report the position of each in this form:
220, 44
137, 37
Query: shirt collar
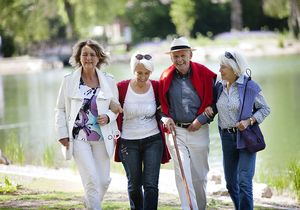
239, 80
179, 75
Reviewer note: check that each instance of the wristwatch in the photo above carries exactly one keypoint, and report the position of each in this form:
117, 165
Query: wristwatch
251, 121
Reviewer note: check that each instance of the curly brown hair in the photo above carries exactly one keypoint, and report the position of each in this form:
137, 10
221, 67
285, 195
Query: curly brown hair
75, 58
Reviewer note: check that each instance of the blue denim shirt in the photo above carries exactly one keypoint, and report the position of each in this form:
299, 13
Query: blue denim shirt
184, 100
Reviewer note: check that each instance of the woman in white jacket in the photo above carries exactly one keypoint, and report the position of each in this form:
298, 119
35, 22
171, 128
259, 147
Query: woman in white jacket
85, 125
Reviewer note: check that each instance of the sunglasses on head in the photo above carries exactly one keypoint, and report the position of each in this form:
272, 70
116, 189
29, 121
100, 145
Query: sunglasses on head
140, 57
230, 56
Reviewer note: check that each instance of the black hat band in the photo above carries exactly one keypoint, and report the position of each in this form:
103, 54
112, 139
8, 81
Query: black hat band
180, 47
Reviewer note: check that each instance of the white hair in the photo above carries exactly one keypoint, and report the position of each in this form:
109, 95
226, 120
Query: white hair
238, 63
148, 64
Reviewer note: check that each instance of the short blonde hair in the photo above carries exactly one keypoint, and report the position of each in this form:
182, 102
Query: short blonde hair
75, 58
235, 60
148, 64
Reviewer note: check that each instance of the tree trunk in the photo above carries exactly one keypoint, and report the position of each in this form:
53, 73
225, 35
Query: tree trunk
295, 17
236, 15
71, 33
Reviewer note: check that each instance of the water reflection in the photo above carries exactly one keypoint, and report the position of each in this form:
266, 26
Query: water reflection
28, 120
27, 113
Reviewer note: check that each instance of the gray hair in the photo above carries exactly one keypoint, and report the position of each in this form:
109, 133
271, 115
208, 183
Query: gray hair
148, 64
236, 61
75, 58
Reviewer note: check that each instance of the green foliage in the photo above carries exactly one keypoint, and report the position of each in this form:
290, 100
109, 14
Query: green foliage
82, 16
211, 17
14, 149
281, 41
149, 19
8, 47
49, 156
294, 174
290, 179
7, 186
25, 21
277, 8
279, 182
183, 16
30, 21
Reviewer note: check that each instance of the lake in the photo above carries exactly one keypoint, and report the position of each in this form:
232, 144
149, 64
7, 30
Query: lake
27, 113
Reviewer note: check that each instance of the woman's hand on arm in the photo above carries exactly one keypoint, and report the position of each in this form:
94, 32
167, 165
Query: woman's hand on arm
102, 119
64, 142
209, 112
115, 107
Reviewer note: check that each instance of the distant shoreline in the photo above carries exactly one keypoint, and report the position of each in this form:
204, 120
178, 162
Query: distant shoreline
211, 50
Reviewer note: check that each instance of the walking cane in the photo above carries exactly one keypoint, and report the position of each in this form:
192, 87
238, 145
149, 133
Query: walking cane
181, 169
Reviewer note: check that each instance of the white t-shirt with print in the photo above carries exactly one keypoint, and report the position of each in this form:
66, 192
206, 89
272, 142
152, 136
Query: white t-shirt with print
139, 119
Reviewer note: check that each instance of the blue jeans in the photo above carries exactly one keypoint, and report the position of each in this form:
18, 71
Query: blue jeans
141, 160
239, 169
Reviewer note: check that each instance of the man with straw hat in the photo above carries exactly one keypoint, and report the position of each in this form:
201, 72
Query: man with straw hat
186, 89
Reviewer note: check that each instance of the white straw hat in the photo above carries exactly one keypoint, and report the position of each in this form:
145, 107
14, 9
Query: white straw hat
180, 44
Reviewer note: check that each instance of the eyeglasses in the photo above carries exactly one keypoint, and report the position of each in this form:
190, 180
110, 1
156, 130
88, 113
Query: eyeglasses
230, 56
140, 57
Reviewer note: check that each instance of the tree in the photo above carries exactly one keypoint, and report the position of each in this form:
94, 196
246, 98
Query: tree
236, 15
24, 22
80, 16
211, 18
149, 19
276, 8
282, 9
183, 16
295, 17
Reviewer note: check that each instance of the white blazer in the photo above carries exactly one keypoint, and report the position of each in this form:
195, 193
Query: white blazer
69, 102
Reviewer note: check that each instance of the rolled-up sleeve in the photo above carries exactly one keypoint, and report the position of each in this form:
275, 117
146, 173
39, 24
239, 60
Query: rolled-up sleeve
262, 108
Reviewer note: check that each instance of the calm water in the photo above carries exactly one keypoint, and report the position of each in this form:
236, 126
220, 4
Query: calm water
27, 112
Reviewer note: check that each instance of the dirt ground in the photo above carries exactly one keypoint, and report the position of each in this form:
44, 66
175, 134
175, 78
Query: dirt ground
38, 180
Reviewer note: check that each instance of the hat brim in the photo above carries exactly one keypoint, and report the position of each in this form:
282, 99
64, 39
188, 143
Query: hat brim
184, 49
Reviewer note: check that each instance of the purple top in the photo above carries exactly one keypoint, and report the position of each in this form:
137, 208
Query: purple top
86, 127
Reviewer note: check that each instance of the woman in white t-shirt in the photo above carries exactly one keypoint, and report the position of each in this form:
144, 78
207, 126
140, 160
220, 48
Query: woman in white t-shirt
141, 148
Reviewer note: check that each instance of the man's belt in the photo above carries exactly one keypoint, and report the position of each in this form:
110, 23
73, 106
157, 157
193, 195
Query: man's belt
182, 125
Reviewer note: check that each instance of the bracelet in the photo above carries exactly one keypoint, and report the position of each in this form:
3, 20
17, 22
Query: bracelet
251, 121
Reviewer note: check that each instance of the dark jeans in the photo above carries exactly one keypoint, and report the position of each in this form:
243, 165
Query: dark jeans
239, 169
141, 160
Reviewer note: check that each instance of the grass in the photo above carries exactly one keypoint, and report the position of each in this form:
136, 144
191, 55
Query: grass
30, 199
41, 193
14, 149
49, 156
294, 174
286, 181
7, 186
